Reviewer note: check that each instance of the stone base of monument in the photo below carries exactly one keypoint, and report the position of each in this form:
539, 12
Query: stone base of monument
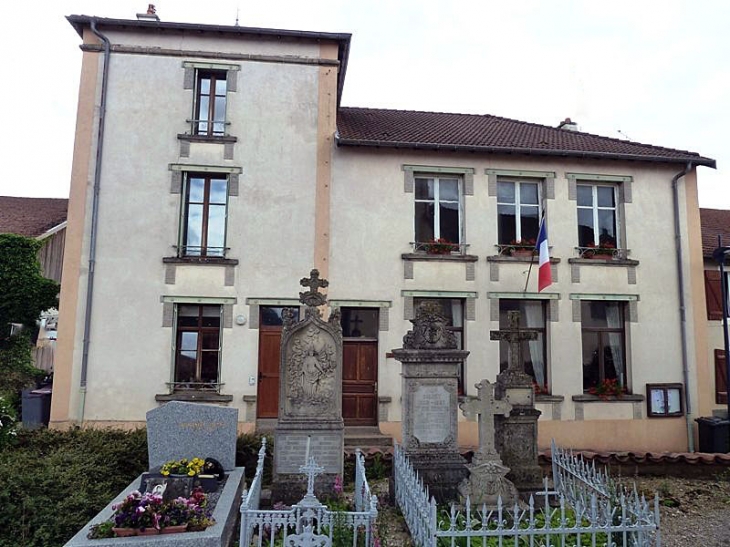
293, 446
441, 472
487, 483
516, 439
221, 534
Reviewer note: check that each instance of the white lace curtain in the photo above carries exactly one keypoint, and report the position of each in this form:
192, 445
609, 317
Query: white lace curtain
615, 339
534, 319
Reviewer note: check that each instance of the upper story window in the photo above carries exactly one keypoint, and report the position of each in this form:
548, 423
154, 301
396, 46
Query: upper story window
210, 103
598, 220
604, 341
204, 215
197, 347
518, 211
438, 210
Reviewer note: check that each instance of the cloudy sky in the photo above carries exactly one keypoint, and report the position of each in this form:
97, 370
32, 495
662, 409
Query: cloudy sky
653, 71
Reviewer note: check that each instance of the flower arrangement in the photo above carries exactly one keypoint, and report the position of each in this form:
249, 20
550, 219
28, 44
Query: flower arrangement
604, 249
138, 511
440, 246
184, 466
520, 247
540, 390
609, 387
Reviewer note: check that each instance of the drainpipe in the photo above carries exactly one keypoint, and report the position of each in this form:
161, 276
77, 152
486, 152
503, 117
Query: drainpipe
682, 306
94, 222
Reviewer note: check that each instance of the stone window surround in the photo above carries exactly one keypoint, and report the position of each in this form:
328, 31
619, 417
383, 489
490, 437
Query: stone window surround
496, 261
169, 319
469, 262
383, 307
191, 69
254, 305
469, 298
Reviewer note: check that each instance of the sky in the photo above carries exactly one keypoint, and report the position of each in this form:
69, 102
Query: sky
651, 71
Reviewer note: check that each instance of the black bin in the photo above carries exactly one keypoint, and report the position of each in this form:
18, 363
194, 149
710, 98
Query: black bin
714, 434
36, 407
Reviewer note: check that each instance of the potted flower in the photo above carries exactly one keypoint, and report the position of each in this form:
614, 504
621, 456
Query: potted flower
603, 251
440, 246
199, 517
539, 390
183, 466
137, 514
607, 388
524, 248
175, 516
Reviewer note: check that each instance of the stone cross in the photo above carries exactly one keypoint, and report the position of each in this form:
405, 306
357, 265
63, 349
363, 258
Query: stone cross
514, 336
313, 297
485, 407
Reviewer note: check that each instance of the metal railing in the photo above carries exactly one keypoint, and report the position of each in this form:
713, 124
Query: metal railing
197, 251
582, 515
309, 522
604, 253
208, 128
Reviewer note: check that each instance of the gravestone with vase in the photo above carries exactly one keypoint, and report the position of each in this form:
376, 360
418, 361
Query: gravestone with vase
516, 434
487, 480
430, 374
179, 430
310, 397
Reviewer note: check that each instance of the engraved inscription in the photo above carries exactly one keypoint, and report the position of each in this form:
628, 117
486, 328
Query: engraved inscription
202, 426
431, 416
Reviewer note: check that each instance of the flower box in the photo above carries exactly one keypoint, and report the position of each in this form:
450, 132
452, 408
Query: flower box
522, 253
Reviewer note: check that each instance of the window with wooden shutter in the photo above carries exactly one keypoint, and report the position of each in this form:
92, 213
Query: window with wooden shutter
720, 378
713, 295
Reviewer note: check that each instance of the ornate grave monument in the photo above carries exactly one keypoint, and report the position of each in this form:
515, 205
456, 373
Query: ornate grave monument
487, 475
310, 397
516, 434
430, 382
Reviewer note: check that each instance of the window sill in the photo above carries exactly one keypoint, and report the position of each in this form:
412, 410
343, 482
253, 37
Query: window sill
206, 138
545, 398
194, 397
200, 260
628, 398
448, 258
528, 259
603, 261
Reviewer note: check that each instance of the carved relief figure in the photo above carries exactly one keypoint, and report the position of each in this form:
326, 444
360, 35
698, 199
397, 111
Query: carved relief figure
312, 366
429, 329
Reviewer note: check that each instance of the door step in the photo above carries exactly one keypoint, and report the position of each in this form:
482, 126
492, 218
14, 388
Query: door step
366, 437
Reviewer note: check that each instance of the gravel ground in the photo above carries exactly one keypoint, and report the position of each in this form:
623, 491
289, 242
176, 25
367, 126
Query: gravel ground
693, 512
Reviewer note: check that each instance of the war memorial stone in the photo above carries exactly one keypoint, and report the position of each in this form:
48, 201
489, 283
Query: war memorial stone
310, 398
430, 361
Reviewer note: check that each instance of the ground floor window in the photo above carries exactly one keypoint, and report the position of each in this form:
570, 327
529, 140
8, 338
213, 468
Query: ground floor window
453, 310
604, 345
534, 352
197, 347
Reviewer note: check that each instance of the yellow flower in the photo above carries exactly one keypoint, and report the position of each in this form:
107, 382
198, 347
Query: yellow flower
165, 472
191, 473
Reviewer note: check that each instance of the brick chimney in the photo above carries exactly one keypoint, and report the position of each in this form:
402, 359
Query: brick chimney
568, 125
151, 14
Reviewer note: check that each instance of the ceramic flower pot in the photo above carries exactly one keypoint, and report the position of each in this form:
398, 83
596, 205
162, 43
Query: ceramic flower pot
174, 529
124, 532
522, 253
148, 532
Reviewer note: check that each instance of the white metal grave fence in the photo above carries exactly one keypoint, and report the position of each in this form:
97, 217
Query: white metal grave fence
309, 522
590, 518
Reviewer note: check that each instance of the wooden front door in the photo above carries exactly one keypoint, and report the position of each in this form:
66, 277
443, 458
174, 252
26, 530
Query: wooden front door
360, 366
267, 394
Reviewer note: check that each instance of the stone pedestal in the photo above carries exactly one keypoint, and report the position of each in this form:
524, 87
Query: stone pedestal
310, 421
430, 398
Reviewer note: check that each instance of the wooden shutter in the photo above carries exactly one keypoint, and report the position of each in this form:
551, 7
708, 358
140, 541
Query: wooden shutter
713, 295
720, 377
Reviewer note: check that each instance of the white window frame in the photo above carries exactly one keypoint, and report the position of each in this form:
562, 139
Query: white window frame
437, 199
518, 204
595, 208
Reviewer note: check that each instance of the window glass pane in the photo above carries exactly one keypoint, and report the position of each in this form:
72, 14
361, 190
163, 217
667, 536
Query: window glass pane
449, 213
506, 223
194, 227
205, 85
209, 367
607, 227
220, 85
218, 191
189, 341
360, 322
211, 316
505, 192
529, 222
606, 196
271, 315
528, 193
675, 404
424, 188
585, 195
203, 107
590, 360
185, 367
196, 190
210, 340
216, 229
585, 227
449, 189
220, 109
593, 314
424, 222
187, 311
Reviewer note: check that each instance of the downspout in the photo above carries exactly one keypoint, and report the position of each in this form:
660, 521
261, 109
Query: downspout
682, 306
94, 222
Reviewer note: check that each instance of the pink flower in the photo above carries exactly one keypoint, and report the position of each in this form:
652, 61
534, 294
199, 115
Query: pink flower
338, 485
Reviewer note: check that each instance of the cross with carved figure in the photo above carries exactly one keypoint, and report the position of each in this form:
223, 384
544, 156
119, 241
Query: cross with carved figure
485, 407
514, 336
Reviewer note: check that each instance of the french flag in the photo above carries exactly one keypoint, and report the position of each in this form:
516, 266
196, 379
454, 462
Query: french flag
544, 276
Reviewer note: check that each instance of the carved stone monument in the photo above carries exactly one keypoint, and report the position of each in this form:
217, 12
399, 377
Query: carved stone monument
516, 434
310, 397
487, 475
430, 382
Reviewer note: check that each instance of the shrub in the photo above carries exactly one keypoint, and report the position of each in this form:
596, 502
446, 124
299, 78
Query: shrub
247, 454
55, 482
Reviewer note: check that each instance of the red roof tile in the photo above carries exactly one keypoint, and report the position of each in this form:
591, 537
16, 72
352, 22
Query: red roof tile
714, 222
486, 133
31, 217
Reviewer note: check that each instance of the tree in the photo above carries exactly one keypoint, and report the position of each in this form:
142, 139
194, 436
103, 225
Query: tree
24, 294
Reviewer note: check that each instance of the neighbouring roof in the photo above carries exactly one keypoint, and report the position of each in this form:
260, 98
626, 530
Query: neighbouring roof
485, 133
714, 222
31, 217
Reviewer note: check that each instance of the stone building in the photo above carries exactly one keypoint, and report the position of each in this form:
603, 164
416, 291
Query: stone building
226, 169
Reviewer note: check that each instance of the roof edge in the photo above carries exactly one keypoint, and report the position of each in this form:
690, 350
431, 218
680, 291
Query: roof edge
697, 160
